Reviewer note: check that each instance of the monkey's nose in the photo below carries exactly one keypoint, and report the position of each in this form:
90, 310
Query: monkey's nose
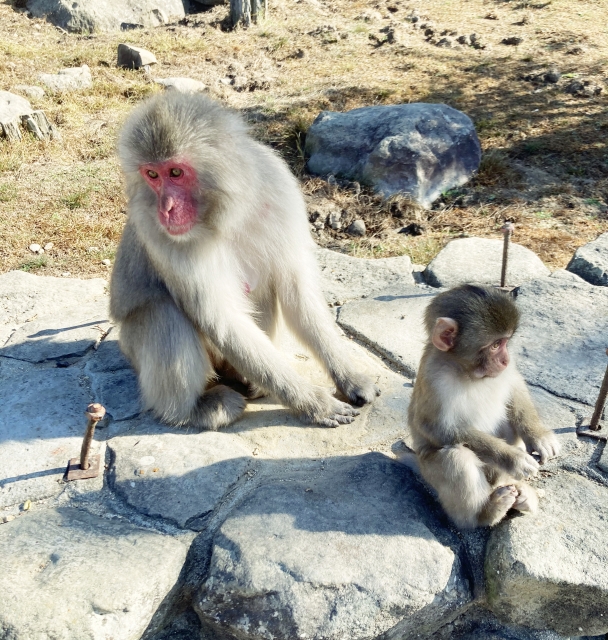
166, 204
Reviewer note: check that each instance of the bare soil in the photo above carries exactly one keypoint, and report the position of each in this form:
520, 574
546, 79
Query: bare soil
545, 163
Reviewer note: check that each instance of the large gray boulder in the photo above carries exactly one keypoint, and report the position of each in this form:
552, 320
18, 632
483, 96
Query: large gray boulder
590, 261
417, 149
479, 260
13, 106
346, 549
346, 278
72, 575
110, 15
66, 80
548, 571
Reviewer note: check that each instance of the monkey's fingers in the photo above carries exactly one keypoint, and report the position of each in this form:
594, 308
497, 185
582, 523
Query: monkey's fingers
530, 466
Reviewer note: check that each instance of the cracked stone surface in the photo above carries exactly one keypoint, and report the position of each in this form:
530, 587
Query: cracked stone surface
69, 574
479, 260
346, 278
549, 570
42, 424
321, 526
342, 551
176, 475
561, 341
393, 322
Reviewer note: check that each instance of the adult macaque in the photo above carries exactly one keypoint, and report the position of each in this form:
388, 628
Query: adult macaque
216, 242
471, 416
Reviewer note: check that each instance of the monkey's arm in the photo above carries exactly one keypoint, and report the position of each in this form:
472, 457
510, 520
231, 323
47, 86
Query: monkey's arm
496, 451
231, 327
524, 419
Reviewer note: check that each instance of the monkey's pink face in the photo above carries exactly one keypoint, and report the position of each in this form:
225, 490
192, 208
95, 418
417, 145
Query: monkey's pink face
174, 183
494, 359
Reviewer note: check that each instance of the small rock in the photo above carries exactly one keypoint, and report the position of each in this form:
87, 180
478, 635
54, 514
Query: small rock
491, 16
36, 248
583, 88
70, 79
334, 220
93, 249
445, 42
6, 519
48, 246
66, 274
512, 41
590, 262
107, 262
13, 106
412, 229
30, 91
185, 85
413, 17
552, 76
356, 228
463, 40
132, 57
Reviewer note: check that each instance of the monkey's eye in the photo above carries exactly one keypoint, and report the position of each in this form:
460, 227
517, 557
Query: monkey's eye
496, 345
176, 173
152, 174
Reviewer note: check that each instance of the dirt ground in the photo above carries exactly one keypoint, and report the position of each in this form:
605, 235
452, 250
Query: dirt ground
545, 163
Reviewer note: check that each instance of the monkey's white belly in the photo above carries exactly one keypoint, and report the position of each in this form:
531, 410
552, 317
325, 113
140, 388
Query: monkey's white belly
481, 404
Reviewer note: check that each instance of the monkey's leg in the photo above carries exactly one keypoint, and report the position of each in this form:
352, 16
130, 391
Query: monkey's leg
174, 367
306, 313
458, 476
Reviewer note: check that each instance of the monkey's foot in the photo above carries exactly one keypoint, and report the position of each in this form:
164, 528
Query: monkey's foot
254, 392
328, 411
499, 502
358, 388
527, 500
218, 407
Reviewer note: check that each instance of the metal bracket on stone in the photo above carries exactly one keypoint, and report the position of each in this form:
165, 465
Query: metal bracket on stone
593, 427
87, 466
507, 229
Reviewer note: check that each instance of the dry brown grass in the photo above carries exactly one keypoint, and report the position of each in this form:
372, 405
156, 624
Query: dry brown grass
546, 162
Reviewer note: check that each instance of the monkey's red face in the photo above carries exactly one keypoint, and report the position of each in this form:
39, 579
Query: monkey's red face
174, 183
493, 359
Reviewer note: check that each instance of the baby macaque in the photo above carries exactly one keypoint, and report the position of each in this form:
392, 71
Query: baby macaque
472, 420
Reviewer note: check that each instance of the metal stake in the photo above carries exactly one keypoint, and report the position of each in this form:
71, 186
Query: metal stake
507, 228
87, 466
592, 427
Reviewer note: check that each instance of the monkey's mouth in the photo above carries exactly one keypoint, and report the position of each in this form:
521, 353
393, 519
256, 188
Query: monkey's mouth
178, 229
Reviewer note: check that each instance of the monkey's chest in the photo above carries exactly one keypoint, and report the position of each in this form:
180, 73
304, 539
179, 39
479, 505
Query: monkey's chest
481, 405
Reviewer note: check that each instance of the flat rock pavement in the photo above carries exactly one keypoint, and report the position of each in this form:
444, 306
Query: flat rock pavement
271, 528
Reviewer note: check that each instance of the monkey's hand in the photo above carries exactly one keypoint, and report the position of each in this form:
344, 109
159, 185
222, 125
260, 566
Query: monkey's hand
358, 388
545, 444
326, 410
522, 465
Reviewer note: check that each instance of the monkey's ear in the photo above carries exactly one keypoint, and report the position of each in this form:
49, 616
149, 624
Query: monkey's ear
444, 333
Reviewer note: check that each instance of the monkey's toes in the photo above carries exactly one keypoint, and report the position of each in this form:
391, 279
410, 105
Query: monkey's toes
505, 496
359, 389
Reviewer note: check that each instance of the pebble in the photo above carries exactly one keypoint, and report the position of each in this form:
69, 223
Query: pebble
6, 519
107, 262
48, 246
356, 228
36, 248
513, 40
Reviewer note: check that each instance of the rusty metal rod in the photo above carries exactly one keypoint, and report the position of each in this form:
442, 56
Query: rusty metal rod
95, 412
594, 425
507, 230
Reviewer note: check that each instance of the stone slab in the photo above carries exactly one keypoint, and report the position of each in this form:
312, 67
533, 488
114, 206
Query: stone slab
346, 278
42, 425
560, 344
346, 550
173, 474
12, 106
479, 260
72, 575
118, 392
590, 261
548, 571
274, 433
70, 333
70, 79
26, 298
392, 323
